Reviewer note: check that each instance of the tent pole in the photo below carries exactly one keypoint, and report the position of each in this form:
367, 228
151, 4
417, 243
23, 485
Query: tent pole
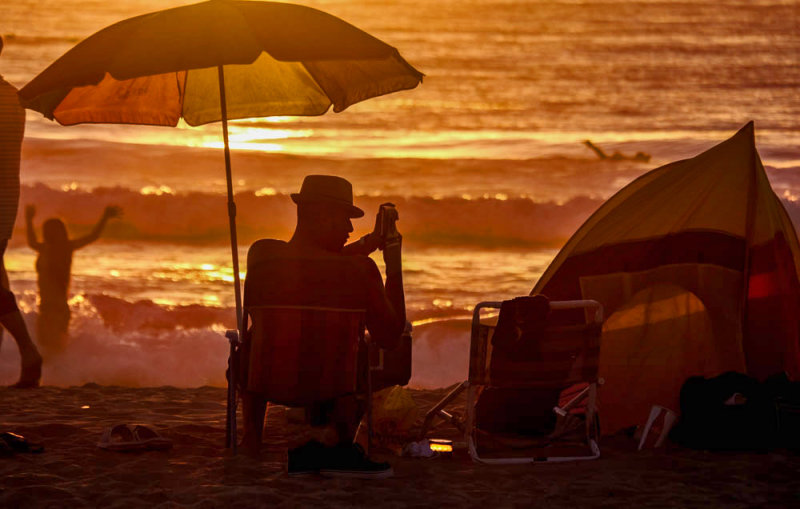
230, 435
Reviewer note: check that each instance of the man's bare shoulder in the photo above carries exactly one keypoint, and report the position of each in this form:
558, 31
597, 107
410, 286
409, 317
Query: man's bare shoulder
265, 249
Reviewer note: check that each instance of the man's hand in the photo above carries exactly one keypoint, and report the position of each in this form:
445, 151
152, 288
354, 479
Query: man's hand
385, 219
30, 211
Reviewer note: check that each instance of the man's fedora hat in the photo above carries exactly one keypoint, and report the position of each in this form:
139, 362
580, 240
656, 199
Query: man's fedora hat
328, 189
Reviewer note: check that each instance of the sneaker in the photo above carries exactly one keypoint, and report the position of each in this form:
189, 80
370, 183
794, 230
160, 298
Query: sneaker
350, 461
307, 459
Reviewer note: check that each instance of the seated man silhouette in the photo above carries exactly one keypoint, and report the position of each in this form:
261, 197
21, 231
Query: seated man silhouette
316, 269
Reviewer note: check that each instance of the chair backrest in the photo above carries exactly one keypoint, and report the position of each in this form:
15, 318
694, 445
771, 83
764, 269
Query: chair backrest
301, 354
525, 349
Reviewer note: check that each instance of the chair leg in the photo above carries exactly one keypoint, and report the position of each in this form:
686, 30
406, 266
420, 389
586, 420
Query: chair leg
437, 410
669, 420
369, 410
233, 377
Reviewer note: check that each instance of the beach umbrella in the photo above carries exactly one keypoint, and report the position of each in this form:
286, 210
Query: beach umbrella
216, 61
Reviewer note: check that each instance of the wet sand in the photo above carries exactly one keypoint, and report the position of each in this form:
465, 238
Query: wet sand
199, 472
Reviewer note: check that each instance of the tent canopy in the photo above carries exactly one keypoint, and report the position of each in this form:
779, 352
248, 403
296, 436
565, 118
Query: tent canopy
712, 229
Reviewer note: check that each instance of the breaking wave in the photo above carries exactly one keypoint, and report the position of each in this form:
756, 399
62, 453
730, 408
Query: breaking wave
138, 344
197, 217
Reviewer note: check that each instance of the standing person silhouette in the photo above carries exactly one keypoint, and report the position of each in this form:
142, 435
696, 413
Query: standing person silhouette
53, 270
12, 130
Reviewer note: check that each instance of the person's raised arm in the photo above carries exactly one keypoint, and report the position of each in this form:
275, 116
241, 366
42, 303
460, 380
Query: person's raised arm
33, 242
110, 212
386, 313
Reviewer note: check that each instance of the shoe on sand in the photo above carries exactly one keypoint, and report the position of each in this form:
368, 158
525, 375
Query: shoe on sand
307, 459
18, 443
350, 461
150, 439
119, 438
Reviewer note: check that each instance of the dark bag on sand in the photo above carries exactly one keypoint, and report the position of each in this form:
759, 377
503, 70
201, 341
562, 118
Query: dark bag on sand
729, 412
786, 395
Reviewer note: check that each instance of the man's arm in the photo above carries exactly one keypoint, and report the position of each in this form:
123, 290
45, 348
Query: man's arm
386, 307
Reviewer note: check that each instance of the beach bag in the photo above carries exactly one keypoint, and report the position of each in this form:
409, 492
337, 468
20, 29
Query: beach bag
786, 396
393, 411
729, 412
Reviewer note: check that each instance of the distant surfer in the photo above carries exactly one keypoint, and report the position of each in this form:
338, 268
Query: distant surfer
53, 266
617, 156
12, 130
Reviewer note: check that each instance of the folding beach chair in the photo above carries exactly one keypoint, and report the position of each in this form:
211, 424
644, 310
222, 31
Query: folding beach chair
532, 382
299, 355
305, 340
307, 354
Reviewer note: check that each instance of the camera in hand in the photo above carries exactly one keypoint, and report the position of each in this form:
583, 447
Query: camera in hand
388, 218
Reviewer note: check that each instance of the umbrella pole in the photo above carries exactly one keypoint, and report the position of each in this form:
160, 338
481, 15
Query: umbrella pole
230, 434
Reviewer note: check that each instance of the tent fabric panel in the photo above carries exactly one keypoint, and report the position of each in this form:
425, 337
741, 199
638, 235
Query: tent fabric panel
772, 327
150, 100
347, 82
662, 336
262, 89
772, 316
702, 193
719, 290
702, 247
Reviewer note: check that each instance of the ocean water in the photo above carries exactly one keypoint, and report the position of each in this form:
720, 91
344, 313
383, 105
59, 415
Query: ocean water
485, 161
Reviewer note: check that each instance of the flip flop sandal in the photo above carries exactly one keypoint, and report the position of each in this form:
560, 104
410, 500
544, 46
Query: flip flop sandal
18, 443
151, 439
119, 438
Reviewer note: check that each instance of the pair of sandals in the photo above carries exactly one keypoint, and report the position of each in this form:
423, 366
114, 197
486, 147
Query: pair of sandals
134, 438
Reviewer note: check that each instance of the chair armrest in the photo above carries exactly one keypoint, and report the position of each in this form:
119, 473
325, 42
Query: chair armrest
479, 343
587, 304
476, 313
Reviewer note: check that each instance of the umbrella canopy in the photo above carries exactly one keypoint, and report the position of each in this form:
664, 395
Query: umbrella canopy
215, 61
280, 59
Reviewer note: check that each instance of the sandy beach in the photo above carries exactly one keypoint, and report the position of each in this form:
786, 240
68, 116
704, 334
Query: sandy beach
198, 472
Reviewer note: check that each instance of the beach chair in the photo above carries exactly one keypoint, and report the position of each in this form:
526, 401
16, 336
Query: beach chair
299, 355
532, 377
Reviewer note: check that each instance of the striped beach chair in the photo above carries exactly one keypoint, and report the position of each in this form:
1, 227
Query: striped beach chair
299, 355
532, 386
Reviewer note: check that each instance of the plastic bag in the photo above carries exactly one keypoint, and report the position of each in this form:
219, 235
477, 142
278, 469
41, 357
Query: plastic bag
393, 411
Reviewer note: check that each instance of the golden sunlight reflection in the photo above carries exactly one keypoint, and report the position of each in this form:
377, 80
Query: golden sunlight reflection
266, 191
156, 190
443, 303
76, 300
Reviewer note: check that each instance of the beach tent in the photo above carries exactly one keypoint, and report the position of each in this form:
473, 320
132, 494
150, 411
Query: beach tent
697, 265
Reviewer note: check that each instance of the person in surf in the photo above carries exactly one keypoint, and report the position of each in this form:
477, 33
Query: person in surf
53, 269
